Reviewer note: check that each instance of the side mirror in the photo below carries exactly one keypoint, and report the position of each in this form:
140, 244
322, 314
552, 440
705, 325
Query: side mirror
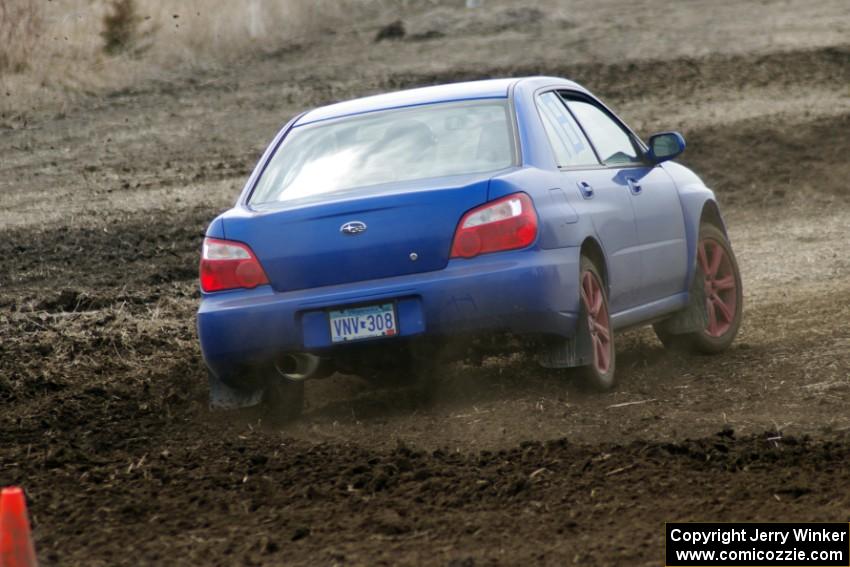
665, 145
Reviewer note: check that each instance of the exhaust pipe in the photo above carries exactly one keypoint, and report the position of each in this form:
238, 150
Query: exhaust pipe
299, 366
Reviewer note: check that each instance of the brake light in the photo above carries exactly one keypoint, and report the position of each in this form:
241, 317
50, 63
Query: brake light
229, 265
504, 224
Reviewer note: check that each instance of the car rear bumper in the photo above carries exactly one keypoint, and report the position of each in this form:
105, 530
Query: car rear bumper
522, 292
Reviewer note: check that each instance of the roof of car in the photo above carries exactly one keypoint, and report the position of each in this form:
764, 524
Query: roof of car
490, 88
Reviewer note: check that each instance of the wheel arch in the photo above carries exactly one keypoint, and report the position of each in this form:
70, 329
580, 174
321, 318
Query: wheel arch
591, 248
697, 212
711, 214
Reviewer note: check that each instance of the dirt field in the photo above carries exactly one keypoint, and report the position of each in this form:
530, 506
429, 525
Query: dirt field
103, 204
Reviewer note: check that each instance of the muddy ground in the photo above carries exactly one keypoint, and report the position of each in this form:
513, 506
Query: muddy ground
103, 204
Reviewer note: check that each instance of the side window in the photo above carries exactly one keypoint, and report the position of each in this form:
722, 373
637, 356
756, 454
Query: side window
568, 142
613, 144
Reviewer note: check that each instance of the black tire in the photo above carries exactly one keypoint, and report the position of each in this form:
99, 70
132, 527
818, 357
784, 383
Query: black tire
283, 400
398, 370
415, 372
705, 340
596, 376
426, 379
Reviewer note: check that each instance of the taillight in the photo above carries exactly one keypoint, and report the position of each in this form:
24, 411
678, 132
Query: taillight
229, 265
504, 224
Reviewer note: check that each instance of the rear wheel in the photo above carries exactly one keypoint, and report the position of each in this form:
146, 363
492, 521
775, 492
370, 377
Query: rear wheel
595, 329
717, 294
283, 400
396, 369
408, 369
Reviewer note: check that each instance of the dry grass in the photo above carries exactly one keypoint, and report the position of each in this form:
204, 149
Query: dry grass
55, 50
20, 23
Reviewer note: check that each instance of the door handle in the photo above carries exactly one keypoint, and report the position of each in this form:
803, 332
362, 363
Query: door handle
634, 186
586, 189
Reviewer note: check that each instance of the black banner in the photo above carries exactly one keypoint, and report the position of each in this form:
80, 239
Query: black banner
761, 545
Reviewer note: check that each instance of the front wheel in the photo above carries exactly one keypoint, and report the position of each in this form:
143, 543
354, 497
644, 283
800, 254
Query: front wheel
594, 328
717, 294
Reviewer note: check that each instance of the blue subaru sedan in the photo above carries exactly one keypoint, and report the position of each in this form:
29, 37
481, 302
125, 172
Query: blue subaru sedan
488, 215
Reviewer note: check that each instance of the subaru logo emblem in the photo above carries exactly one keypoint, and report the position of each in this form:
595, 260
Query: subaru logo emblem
353, 227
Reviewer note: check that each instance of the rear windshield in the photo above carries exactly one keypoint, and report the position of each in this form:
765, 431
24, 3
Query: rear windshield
392, 145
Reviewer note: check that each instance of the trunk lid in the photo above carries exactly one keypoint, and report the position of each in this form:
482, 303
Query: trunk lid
300, 243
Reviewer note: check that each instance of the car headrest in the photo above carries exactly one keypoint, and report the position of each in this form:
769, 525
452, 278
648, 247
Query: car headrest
494, 143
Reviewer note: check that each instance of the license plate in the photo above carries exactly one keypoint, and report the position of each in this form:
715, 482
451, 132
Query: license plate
358, 323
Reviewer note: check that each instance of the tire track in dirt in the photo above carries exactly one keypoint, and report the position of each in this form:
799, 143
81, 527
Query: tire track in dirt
75, 159
208, 109
139, 249
254, 502
761, 161
673, 78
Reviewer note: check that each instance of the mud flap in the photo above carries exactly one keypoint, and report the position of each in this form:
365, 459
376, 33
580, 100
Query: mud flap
569, 353
223, 397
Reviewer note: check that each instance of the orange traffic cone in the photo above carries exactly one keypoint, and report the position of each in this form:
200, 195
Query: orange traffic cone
16, 549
